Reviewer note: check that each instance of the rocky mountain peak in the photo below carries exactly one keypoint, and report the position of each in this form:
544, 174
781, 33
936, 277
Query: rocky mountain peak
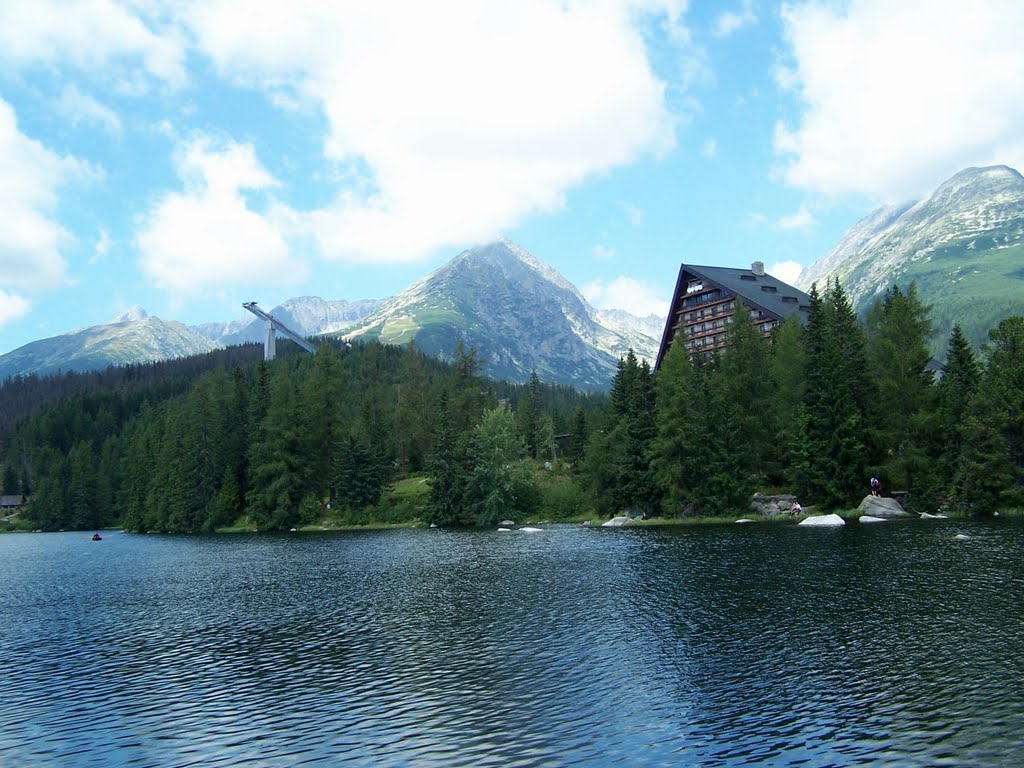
961, 245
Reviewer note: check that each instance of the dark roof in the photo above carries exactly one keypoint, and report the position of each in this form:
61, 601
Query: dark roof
12, 501
749, 286
758, 290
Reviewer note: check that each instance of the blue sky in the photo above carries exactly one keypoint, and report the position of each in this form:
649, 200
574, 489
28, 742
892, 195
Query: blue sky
188, 156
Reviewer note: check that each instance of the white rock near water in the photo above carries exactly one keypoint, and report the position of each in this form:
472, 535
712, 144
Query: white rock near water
823, 521
617, 522
870, 519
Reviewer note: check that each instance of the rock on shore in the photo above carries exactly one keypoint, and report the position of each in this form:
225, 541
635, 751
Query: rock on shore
823, 521
881, 506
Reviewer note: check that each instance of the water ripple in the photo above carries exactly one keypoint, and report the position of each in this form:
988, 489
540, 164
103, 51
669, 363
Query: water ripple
719, 646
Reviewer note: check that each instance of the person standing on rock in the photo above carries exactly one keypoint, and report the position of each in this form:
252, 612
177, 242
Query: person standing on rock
876, 487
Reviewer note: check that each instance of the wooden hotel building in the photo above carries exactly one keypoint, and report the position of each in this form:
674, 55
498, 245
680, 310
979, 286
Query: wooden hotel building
703, 304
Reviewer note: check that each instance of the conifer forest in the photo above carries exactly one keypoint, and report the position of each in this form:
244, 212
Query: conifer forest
370, 434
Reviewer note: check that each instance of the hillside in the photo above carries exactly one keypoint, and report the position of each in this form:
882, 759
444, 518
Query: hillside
131, 338
963, 246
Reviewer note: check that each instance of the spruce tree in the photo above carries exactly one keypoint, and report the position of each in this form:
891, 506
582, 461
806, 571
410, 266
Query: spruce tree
745, 380
903, 424
837, 398
675, 450
529, 417
956, 390
446, 471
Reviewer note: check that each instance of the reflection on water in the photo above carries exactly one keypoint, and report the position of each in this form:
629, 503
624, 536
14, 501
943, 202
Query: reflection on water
725, 645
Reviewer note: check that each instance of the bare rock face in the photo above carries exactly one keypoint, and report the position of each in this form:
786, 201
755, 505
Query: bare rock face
881, 506
772, 505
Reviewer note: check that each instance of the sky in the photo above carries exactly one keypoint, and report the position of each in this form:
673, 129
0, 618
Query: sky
188, 156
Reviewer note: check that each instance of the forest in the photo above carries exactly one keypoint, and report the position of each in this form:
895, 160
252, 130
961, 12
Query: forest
370, 434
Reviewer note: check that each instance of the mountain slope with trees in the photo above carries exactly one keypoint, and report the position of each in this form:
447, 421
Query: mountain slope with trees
963, 246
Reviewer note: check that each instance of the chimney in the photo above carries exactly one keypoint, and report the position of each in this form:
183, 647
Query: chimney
757, 268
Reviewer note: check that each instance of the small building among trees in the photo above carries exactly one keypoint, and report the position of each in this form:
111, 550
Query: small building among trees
13, 501
705, 299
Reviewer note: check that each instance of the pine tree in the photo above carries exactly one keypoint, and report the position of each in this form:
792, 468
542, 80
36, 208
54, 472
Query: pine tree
837, 396
278, 467
580, 434
446, 472
675, 450
956, 389
618, 462
788, 369
904, 430
530, 417
747, 387
1002, 392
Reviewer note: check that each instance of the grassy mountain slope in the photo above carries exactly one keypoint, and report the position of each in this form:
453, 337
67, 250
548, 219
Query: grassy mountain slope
963, 246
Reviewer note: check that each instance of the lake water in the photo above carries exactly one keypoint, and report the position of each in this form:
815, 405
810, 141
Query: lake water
713, 646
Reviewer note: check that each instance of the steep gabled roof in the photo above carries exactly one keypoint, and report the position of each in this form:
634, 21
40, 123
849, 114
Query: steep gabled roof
758, 290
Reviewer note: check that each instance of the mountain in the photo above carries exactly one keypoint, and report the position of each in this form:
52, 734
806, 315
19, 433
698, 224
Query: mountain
963, 246
306, 315
519, 313
133, 337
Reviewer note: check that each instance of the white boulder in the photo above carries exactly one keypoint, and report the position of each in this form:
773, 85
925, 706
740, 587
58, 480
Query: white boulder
823, 521
870, 519
616, 522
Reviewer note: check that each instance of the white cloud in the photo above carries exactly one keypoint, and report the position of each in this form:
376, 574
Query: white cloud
603, 253
30, 236
102, 247
12, 307
634, 213
728, 22
802, 219
786, 271
635, 296
710, 149
209, 236
78, 107
896, 97
466, 116
88, 34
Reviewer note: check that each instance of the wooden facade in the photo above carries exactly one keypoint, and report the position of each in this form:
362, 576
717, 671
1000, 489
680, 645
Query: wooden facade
705, 299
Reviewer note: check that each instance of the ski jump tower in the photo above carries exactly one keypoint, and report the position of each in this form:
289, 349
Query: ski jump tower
273, 325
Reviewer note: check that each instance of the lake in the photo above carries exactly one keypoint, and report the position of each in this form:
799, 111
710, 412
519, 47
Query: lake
765, 644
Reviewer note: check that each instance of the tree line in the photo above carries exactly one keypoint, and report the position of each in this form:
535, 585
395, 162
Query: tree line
272, 445
815, 412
